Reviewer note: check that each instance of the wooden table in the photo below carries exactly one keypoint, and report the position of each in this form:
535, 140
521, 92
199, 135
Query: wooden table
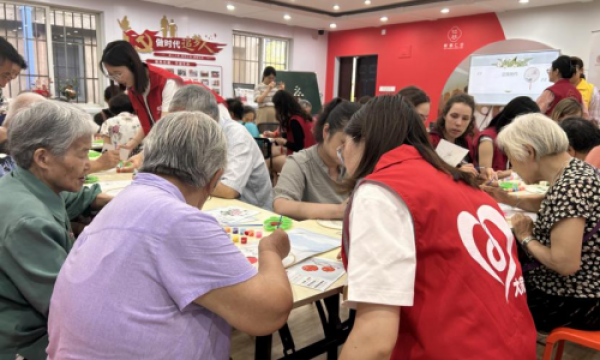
335, 332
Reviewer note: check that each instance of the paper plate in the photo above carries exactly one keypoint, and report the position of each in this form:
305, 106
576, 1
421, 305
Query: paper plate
331, 224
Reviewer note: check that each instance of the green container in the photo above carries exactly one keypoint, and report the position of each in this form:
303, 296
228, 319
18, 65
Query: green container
286, 223
508, 185
94, 154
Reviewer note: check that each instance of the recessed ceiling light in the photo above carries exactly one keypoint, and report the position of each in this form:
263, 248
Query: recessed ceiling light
367, 2
287, 17
230, 7
523, 1
336, 7
384, 19
332, 26
445, 11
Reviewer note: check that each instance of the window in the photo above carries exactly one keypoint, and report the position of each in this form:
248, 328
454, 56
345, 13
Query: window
252, 53
69, 66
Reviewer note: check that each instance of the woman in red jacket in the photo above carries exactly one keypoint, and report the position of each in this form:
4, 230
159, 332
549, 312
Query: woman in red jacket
431, 261
150, 88
560, 74
295, 130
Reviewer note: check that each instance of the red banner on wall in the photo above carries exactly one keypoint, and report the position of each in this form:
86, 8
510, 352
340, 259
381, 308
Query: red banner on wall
149, 41
171, 62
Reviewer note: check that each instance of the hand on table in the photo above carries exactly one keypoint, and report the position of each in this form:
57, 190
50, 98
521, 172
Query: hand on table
470, 169
270, 134
278, 242
522, 226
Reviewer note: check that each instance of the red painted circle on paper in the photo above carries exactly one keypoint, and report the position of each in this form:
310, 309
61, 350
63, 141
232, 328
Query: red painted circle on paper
310, 268
328, 269
252, 260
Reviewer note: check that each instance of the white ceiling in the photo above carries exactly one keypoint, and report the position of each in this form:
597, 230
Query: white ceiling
274, 13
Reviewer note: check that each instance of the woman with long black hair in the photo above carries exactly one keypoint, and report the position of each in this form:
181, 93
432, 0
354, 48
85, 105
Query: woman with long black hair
150, 88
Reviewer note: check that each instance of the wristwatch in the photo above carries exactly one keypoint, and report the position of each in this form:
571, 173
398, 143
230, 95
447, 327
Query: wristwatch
524, 243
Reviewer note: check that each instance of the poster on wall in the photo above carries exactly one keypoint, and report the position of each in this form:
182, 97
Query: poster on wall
594, 64
188, 57
497, 79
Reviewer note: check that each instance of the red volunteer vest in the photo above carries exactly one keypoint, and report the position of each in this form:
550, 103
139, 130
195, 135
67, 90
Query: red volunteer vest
158, 79
500, 160
563, 89
309, 139
469, 300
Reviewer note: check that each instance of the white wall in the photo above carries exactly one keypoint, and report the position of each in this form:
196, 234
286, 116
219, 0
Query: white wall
309, 50
564, 27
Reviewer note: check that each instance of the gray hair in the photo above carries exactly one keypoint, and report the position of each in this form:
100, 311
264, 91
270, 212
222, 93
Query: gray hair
195, 98
187, 145
50, 125
305, 103
537, 130
21, 102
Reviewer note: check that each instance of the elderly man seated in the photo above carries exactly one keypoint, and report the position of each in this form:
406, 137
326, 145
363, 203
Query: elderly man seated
49, 142
246, 176
154, 277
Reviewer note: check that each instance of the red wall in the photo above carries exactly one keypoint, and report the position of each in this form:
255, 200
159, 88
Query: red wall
429, 65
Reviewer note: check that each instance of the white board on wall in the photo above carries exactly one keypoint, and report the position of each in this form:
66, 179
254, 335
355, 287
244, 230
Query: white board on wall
499, 78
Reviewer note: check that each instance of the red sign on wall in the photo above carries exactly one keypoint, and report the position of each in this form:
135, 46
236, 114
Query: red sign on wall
149, 41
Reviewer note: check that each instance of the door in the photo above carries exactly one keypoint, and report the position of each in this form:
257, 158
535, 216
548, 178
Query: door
345, 78
366, 76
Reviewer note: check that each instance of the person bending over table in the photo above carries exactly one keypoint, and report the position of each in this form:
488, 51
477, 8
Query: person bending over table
246, 176
295, 127
566, 108
487, 154
150, 88
419, 99
583, 137
563, 285
420, 278
50, 142
154, 277
308, 185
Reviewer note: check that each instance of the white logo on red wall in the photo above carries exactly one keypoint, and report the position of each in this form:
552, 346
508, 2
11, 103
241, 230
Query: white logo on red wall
498, 254
454, 35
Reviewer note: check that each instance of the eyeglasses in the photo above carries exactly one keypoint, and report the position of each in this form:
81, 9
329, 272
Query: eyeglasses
115, 77
340, 155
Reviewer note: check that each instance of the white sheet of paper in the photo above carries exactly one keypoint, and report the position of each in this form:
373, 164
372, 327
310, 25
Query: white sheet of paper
450, 153
316, 273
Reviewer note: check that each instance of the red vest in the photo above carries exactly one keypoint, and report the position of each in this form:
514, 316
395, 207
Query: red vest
500, 160
563, 89
469, 300
307, 127
158, 79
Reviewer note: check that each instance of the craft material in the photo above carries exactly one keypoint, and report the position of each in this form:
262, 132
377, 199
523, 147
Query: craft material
273, 223
233, 215
316, 273
244, 240
236, 238
228, 230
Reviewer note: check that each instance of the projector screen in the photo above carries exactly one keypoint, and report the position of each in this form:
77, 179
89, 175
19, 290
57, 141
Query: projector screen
497, 79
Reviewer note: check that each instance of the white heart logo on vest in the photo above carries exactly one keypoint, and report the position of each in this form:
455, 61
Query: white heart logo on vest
466, 224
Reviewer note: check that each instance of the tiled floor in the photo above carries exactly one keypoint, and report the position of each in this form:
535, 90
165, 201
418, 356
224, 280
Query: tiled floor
306, 329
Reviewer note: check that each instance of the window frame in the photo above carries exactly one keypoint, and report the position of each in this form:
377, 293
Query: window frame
50, 46
261, 52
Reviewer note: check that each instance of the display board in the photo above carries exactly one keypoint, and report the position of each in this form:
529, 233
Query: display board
302, 85
497, 79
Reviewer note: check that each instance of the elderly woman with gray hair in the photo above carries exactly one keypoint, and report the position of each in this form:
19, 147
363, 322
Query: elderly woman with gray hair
562, 278
49, 142
153, 277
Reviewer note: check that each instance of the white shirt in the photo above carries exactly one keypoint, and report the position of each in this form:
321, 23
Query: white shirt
171, 87
246, 171
383, 260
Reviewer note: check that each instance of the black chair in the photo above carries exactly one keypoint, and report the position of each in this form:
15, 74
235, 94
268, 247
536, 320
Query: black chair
274, 126
265, 147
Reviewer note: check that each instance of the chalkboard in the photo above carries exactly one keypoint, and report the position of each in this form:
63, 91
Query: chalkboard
303, 85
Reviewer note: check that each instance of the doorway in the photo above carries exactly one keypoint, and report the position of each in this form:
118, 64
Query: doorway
357, 77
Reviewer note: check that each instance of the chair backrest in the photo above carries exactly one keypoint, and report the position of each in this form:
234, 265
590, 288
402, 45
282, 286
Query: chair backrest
265, 147
268, 127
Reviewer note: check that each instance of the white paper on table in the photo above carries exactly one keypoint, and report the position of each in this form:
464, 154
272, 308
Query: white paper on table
510, 211
450, 153
316, 273
233, 215
304, 244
